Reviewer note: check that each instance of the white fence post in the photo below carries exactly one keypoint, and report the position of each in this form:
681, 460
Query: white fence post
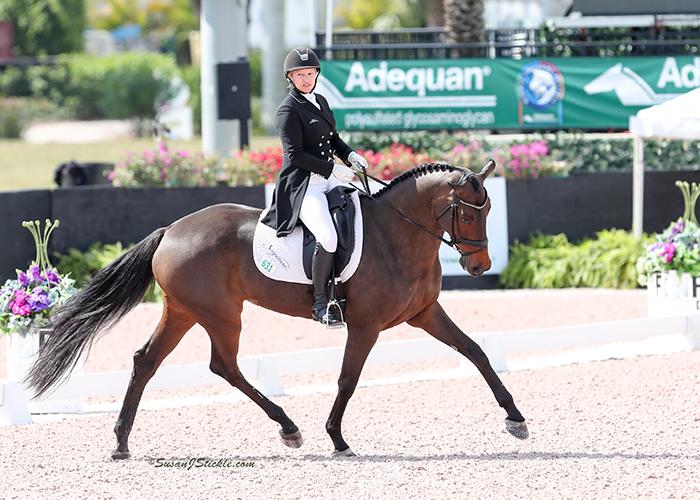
269, 378
13, 404
692, 333
493, 347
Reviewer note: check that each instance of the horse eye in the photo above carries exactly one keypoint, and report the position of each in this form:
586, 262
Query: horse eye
467, 219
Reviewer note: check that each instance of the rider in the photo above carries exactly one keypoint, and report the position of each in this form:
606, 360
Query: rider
309, 140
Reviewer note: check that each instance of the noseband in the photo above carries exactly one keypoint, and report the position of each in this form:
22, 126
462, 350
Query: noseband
456, 241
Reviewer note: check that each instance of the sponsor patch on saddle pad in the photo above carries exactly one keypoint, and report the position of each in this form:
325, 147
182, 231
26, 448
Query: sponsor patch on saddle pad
281, 259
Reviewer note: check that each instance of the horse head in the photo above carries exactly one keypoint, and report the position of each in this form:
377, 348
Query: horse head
609, 80
464, 219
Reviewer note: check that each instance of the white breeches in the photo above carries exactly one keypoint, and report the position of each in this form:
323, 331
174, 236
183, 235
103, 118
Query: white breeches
315, 214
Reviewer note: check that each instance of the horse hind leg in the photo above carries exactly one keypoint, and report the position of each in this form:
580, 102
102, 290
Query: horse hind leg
173, 325
224, 339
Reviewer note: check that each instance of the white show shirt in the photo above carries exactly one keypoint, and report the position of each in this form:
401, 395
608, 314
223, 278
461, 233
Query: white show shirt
312, 99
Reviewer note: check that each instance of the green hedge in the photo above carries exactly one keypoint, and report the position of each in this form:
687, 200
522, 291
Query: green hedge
119, 86
583, 152
82, 266
607, 261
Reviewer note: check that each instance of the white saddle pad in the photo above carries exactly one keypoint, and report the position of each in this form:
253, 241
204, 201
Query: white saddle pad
281, 259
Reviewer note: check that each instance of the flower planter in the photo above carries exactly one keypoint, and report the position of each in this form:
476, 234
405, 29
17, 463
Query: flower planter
672, 293
21, 350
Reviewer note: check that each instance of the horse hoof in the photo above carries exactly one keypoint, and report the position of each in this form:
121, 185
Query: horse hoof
517, 429
120, 455
292, 440
345, 453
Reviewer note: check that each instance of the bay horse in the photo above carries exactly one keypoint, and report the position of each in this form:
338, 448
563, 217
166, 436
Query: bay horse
204, 265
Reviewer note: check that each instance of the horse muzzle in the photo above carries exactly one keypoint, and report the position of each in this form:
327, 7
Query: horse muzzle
474, 266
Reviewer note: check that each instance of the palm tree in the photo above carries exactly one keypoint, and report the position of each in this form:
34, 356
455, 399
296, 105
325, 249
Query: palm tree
464, 23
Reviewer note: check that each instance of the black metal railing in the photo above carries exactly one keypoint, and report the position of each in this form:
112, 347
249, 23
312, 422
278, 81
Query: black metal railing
429, 43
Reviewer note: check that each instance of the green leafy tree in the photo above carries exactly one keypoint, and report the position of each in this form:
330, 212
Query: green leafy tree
382, 14
45, 27
174, 16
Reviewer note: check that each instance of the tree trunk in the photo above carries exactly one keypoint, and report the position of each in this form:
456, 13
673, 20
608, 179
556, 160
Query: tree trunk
434, 13
464, 23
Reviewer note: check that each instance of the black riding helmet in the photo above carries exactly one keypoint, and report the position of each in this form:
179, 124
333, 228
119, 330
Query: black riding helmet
299, 58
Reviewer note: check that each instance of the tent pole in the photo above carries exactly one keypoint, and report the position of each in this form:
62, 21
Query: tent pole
637, 186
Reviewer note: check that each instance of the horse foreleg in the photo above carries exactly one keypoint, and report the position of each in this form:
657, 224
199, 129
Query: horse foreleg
357, 348
435, 321
224, 352
173, 325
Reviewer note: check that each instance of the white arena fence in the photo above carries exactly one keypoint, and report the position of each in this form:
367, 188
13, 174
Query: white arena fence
266, 371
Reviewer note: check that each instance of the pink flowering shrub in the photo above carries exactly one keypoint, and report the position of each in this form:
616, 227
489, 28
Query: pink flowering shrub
473, 156
161, 167
247, 168
515, 161
392, 161
531, 161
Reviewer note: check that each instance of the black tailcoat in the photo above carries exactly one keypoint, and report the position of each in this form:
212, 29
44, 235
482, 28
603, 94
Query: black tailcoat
309, 140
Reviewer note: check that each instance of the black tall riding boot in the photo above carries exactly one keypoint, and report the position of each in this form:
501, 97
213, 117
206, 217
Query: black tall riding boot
321, 268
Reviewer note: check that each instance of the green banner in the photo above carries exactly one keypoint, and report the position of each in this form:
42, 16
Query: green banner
580, 92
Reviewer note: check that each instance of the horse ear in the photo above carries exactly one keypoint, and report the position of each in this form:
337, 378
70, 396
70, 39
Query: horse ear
488, 168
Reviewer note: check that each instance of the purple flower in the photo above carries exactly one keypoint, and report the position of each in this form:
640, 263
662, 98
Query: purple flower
39, 300
35, 272
677, 228
23, 278
52, 276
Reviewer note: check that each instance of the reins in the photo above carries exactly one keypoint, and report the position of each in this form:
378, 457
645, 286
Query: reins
456, 200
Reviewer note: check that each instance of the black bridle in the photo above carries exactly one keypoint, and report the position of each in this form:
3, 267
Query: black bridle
455, 241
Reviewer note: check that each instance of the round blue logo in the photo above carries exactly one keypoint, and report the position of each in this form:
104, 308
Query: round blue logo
540, 84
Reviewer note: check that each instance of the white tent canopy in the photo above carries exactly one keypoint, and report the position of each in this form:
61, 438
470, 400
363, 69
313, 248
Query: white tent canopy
677, 118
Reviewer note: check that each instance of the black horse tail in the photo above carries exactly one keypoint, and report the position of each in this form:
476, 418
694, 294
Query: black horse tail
104, 300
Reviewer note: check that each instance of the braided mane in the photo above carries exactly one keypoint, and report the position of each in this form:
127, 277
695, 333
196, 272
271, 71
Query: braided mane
425, 168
